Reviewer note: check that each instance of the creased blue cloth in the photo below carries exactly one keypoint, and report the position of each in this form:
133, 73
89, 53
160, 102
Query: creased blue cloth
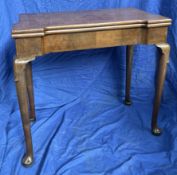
83, 127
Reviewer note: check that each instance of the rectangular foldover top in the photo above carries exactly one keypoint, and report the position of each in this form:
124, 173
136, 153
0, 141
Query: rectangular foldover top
41, 24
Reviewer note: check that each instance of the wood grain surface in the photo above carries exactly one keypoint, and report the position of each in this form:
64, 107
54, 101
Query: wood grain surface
45, 23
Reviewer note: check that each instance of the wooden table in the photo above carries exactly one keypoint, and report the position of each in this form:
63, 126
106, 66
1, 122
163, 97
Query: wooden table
38, 34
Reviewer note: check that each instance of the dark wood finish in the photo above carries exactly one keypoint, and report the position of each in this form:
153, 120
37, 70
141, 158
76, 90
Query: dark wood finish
44, 33
21, 86
38, 34
40, 23
129, 59
30, 91
165, 49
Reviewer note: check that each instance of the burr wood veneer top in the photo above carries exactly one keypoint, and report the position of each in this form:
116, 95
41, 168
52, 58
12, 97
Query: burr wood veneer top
41, 24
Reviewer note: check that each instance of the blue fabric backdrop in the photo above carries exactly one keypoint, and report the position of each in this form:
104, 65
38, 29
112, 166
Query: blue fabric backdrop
83, 127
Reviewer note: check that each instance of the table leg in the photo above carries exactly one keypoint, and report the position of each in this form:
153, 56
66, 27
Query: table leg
21, 87
129, 60
30, 91
164, 59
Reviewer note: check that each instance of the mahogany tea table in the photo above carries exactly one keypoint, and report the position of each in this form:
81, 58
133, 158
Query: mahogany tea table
38, 34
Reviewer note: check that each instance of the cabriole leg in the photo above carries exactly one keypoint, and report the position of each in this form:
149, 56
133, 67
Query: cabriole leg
164, 59
129, 60
21, 87
30, 91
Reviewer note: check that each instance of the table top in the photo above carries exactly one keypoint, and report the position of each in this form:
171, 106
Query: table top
43, 22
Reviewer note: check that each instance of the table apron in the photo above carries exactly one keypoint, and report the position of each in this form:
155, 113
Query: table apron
36, 46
